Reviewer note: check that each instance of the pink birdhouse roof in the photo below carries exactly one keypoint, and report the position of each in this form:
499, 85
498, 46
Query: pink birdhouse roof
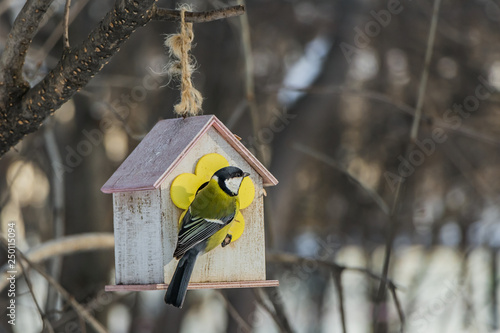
164, 147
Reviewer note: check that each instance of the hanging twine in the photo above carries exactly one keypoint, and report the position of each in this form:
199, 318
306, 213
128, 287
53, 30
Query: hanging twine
182, 66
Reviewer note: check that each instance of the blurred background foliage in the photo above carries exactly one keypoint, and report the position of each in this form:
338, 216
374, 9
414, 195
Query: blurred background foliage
335, 88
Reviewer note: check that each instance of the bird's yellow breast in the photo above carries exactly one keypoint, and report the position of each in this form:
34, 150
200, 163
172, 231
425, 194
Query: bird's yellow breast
217, 238
212, 202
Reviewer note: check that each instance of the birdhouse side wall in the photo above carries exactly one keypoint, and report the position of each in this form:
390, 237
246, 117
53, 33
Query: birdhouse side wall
243, 260
138, 237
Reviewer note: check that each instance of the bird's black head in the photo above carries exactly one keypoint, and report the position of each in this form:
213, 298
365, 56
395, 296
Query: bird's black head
229, 179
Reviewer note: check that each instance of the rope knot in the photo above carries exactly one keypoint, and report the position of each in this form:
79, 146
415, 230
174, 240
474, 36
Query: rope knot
183, 65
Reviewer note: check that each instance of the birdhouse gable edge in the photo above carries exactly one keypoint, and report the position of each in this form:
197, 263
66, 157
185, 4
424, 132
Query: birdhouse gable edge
162, 149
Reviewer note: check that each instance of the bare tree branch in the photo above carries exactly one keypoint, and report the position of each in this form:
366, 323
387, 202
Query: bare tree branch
46, 324
290, 258
162, 14
399, 106
331, 162
425, 73
25, 110
276, 299
393, 222
12, 84
97, 326
64, 246
246, 46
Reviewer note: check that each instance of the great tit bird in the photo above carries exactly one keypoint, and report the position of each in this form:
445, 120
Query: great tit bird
205, 226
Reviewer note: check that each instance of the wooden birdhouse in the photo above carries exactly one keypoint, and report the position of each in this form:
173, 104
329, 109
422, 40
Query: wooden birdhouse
156, 184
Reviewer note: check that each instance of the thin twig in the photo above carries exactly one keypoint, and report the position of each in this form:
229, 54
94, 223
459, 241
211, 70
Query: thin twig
465, 283
369, 94
238, 111
331, 162
337, 279
246, 45
246, 48
243, 325
46, 323
399, 106
163, 14
391, 234
54, 37
64, 246
290, 258
57, 186
469, 132
476, 179
425, 73
261, 302
276, 299
337, 269
97, 326
494, 287
95, 304
393, 225
282, 322
398, 307
119, 116
66, 24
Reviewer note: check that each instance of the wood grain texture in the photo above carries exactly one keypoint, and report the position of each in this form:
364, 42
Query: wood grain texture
191, 286
240, 261
164, 147
138, 237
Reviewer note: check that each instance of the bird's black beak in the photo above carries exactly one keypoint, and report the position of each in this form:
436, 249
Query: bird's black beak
245, 174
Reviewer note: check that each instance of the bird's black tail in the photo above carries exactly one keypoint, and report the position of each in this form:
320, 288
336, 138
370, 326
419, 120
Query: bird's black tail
177, 288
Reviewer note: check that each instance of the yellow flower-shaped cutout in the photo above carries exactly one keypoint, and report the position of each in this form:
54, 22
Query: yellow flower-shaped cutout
185, 185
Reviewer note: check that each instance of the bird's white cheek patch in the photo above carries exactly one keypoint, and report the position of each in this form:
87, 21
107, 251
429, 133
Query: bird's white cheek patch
233, 184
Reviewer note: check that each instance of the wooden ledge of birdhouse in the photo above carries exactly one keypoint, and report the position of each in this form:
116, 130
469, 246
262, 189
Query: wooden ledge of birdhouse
192, 286
146, 220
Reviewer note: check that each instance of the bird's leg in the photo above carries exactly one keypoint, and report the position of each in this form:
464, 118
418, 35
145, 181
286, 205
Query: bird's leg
227, 240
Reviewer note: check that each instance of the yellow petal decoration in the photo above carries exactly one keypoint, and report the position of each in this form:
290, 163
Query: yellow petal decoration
185, 185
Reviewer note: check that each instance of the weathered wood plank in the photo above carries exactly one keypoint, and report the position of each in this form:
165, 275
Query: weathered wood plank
138, 237
191, 286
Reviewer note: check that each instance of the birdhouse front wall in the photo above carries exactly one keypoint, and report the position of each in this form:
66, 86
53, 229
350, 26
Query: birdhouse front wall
146, 227
138, 238
243, 260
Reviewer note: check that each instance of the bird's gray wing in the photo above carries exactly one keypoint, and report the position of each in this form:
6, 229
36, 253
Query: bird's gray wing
195, 230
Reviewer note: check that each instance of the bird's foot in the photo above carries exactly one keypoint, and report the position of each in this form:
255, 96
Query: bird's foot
227, 240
